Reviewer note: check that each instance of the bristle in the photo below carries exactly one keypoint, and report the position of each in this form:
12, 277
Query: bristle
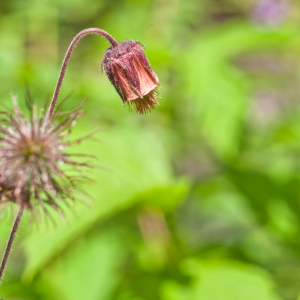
145, 105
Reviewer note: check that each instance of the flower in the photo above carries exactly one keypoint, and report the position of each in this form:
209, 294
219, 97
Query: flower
32, 153
130, 73
270, 12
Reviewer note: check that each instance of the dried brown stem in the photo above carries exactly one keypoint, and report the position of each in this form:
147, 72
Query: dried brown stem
80, 35
10, 241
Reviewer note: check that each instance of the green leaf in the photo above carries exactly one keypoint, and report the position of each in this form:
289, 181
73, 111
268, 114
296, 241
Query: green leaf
219, 91
219, 280
89, 270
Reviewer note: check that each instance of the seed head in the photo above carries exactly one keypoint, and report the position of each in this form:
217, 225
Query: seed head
130, 73
32, 153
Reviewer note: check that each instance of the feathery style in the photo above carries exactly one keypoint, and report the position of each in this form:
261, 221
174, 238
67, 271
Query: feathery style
32, 153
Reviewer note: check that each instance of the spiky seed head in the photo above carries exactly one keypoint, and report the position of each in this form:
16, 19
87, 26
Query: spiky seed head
32, 153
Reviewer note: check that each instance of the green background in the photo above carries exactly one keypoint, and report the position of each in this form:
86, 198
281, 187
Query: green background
199, 199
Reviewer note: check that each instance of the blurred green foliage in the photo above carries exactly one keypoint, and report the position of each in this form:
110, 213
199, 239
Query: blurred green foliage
199, 199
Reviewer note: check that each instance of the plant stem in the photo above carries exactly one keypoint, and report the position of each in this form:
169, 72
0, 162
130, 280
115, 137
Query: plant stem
10, 241
80, 35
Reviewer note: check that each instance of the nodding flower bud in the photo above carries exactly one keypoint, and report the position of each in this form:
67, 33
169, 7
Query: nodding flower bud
130, 73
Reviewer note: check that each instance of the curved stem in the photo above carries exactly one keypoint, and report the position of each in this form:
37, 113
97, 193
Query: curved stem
10, 241
80, 35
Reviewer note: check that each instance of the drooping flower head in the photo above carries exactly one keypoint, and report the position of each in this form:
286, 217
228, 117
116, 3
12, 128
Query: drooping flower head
130, 73
32, 153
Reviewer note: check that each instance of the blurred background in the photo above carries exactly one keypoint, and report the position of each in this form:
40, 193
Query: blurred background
199, 199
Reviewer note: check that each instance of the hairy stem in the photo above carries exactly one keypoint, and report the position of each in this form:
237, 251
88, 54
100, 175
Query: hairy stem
10, 241
80, 35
